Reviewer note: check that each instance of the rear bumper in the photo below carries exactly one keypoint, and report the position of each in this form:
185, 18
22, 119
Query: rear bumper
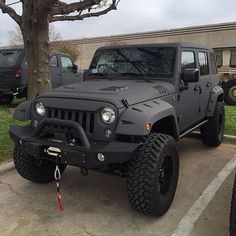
84, 156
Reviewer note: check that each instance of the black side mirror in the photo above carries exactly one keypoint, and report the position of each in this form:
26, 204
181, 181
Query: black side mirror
75, 68
191, 76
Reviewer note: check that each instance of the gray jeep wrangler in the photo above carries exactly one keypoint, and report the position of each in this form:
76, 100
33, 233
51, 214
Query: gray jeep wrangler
136, 102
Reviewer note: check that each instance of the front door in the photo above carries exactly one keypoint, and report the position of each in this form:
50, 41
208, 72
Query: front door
189, 101
68, 74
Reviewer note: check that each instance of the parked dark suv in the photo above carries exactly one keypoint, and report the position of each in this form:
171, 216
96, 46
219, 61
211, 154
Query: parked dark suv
136, 102
13, 73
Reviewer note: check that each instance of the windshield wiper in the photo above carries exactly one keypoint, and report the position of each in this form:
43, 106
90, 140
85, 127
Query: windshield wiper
132, 63
130, 74
98, 74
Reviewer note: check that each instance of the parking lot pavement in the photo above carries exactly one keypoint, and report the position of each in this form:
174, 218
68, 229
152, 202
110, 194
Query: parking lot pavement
98, 205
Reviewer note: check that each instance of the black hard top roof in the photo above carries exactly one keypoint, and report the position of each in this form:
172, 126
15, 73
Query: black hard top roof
175, 44
22, 49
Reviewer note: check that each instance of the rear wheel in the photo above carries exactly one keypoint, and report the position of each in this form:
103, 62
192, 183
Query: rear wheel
6, 99
31, 169
153, 175
212, 132
230, 92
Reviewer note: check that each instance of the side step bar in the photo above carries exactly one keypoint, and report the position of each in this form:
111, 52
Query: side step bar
192, 129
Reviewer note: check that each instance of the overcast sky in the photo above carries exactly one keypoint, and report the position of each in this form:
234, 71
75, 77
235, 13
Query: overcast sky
139, 16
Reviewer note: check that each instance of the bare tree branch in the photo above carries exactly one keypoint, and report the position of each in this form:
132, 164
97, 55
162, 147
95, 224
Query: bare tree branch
10, 11
63, 9
81, 16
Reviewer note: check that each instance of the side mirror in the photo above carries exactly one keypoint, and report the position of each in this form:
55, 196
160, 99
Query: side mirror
75, 68
191, 76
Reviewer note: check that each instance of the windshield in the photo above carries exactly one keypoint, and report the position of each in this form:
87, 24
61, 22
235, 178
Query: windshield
8, 58
155, 62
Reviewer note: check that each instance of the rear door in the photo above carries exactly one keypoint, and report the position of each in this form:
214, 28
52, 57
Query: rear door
68, 74
206, 80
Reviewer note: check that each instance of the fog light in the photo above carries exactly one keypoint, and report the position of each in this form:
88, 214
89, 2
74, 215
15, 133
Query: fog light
101, 157
108, 133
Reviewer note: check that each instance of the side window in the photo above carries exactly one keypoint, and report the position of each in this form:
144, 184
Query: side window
187, 60
53, 61
233, 58
213, 64
219, 58
204, 64
66, 62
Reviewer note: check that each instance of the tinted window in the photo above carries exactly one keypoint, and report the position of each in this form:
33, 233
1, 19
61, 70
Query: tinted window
203, 62
213, 64
53, 61
233, 58
188, 61
132, 62
8, 58
66, 62
219, 57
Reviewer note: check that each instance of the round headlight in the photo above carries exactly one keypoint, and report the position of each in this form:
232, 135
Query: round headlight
40, 109
108, 115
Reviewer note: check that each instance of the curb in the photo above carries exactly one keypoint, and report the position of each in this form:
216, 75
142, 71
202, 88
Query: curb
6, 167
227, 138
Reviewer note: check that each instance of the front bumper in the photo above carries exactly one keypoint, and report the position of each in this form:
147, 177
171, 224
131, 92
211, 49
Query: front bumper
84, 155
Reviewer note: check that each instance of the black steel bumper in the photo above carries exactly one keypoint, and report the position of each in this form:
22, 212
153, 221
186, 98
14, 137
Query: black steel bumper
84, 155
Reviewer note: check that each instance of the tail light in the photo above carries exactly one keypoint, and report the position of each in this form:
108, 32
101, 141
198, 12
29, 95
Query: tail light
18, 73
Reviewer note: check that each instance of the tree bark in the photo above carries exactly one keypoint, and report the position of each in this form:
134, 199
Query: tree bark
35, 31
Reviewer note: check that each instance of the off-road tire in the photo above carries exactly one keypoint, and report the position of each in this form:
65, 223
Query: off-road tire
233, 211
212, 132
6, 99
30, 169
145, 193
228, 88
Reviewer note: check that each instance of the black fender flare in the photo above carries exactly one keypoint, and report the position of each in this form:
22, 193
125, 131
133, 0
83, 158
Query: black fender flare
217, 94
135, 118
22, 112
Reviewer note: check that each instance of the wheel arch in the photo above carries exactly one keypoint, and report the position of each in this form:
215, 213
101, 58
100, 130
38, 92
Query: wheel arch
134, 120
217, 95
166, 125
22, 112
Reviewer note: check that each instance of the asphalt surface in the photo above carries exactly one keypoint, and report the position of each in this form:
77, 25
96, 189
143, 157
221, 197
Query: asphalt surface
98, 205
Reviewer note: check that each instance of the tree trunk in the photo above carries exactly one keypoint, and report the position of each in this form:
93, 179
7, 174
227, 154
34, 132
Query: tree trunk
35, 31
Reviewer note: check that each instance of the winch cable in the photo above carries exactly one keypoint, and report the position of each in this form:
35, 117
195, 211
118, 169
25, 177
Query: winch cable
57, 176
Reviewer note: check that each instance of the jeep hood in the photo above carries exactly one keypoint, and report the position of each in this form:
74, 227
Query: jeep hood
113, 91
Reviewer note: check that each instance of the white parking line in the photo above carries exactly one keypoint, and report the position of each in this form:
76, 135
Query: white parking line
186, 225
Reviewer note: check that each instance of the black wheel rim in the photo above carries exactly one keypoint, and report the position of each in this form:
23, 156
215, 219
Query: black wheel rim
165, 175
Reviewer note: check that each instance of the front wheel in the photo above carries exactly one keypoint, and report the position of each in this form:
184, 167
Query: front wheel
212, 132
153, 174
36, 171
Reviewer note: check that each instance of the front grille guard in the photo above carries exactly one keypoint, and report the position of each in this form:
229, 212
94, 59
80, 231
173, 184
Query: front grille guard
63, 123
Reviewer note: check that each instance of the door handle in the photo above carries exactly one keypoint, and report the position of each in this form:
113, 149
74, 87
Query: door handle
208, 84
196, 88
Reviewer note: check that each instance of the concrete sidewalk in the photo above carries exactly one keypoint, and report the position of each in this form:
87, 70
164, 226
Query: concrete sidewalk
98, 205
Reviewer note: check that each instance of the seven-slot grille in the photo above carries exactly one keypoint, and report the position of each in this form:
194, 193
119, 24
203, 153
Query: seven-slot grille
85, 119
